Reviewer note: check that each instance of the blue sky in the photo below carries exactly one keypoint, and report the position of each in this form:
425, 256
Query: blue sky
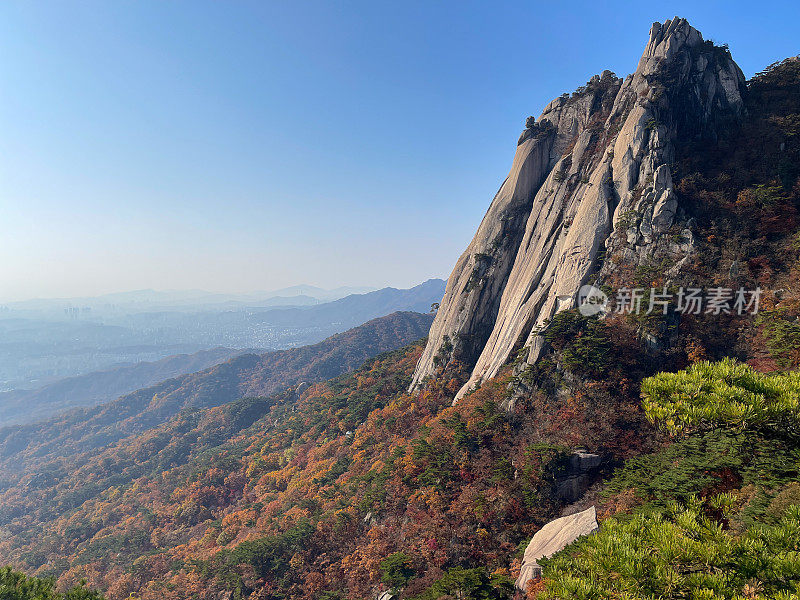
235, 146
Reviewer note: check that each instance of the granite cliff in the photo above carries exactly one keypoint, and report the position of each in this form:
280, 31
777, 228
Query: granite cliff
590, 180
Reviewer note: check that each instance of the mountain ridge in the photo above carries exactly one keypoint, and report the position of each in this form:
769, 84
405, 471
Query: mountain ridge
42, 350
247, 375
25, 406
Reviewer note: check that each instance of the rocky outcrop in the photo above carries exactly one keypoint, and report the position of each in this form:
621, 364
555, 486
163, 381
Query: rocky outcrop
474, 292
551, 538
580, 473
472, 296
590, 177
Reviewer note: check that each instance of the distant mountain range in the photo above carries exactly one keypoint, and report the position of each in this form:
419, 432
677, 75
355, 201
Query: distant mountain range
149, 299
248, 375
356, 308
39, 347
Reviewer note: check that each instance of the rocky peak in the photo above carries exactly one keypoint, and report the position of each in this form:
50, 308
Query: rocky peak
666, 40
595, 162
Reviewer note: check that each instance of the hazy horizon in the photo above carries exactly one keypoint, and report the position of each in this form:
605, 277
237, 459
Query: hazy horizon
236, 293
261, 145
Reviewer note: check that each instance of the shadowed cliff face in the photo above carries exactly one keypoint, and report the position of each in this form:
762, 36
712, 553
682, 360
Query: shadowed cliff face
594, 163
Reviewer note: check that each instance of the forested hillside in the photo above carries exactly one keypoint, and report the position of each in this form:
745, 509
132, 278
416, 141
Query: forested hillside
247, 375
298, 496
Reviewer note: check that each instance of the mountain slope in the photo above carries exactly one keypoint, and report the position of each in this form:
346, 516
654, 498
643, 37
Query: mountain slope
294, 495
247, 375
357, 308
27, 406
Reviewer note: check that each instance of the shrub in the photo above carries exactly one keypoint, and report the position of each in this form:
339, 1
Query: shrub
680, 553
584, 342
782, 336
469, 584
396, 570
270, 556
768, 208
788, 496
725, 394
18, 586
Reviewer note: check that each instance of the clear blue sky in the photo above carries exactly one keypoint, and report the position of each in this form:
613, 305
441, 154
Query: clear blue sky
240, 146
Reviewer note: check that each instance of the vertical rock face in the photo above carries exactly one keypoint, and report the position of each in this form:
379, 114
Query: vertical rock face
472, 296
594, 162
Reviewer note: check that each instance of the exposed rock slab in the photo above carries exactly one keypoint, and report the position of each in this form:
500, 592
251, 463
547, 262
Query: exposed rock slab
472, 297
472, 300
552, 538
